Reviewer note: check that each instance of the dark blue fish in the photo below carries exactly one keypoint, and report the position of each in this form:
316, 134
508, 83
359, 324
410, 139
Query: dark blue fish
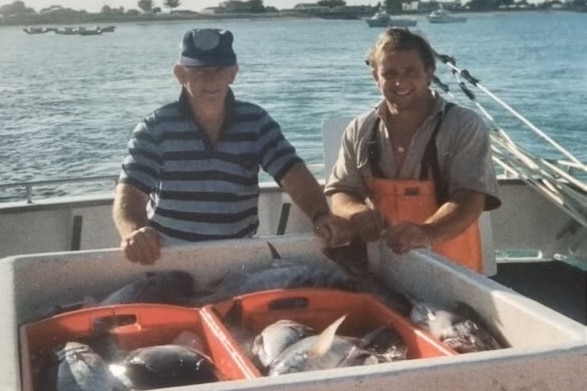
166, 287
279, 274
165, 366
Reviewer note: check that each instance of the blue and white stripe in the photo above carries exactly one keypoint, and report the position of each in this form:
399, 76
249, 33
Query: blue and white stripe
199, 191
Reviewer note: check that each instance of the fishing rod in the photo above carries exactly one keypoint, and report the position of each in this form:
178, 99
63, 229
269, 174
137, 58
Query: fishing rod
461, 74
559, 186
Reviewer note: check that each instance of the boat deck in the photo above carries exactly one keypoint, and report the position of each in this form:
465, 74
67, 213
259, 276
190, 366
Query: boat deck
556, 284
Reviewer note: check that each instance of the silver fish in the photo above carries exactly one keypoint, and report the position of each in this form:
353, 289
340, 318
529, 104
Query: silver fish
76, 367
324, 351
454, 329
276, 337
165, 366
165, 287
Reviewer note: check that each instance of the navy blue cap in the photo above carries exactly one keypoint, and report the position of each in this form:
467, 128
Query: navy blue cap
207, 48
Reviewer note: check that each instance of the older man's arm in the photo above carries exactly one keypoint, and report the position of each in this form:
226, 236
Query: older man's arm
139, 242
366, 222
306, 192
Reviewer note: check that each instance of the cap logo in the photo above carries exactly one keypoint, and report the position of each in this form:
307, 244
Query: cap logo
206, 39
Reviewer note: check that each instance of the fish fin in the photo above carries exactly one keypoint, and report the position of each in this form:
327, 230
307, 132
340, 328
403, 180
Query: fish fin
325, 339
274, 253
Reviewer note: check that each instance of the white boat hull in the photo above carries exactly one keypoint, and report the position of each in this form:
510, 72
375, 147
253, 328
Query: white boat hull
526, 220
392, 22
452, 19
442, 16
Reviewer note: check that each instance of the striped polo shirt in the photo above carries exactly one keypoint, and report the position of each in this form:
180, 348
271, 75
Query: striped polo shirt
199, 191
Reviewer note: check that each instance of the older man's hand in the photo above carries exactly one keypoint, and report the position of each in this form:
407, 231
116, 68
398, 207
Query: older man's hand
333, 230
142, 246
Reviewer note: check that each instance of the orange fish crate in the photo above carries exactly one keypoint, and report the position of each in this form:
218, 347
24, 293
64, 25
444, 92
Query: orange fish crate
133, 326
318, 308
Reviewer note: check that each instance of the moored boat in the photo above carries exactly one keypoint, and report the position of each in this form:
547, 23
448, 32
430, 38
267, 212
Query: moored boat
94, 31
36, 30
382, 19
441, 15
108, 29
66, 31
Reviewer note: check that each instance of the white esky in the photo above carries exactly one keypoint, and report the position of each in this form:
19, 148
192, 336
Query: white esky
194, 5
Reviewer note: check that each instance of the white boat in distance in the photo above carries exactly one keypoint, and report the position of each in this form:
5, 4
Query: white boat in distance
443, 16
382, 19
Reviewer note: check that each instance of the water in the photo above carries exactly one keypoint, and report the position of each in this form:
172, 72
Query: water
68, 104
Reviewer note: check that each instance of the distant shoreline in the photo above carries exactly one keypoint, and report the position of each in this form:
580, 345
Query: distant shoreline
100, 18
36, 20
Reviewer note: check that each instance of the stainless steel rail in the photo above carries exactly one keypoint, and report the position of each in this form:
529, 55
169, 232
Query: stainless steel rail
28, 186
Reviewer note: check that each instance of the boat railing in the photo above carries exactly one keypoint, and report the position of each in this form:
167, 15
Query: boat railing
26, 190
28, 187
561, 179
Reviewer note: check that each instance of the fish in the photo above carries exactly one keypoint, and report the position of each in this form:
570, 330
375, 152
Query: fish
276, 337
279, 274
454, 328
164, 287
324, 351
163, 366
76, 367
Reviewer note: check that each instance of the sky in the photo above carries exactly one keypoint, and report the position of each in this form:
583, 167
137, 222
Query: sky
194, 5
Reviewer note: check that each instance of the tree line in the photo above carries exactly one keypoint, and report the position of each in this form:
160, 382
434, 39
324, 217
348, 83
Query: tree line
19, 8
18, 11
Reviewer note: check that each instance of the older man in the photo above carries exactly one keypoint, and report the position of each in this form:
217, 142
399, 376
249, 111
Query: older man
191, 172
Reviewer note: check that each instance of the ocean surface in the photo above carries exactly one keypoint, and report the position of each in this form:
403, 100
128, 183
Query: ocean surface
68, 104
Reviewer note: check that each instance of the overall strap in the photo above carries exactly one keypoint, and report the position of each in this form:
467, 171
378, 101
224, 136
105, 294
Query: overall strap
430, 161
373, 151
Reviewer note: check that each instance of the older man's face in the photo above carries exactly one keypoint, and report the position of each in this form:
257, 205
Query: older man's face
207, 85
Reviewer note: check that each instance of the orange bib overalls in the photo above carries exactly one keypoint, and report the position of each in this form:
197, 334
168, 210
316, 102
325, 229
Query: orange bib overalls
416, 200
